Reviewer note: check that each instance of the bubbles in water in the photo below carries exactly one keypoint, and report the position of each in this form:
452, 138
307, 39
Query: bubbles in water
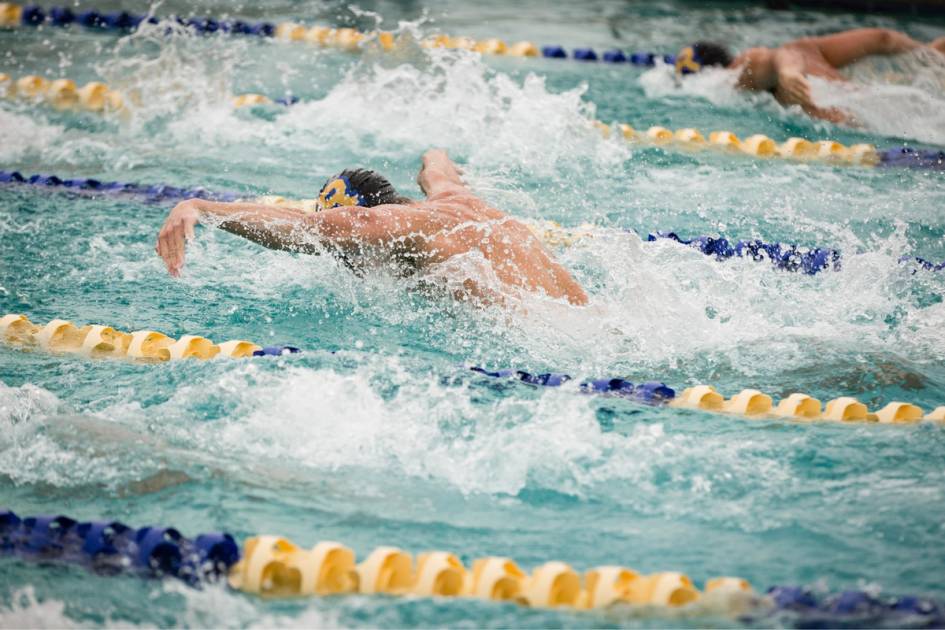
899, 96
26, 611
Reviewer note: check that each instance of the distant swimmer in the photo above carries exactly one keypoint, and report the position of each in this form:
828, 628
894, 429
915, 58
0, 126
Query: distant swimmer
362, 219
783, 71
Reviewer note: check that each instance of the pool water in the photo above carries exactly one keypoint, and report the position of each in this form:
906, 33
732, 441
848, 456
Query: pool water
377, 434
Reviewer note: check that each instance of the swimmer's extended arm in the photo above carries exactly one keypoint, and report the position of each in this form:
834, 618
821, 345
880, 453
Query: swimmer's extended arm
271, 226
439, 175
841, 49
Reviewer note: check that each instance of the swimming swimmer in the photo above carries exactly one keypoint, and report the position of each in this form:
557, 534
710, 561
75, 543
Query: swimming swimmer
783, 71
363, 220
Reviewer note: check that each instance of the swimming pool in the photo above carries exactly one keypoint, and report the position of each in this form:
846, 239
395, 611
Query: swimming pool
375, 434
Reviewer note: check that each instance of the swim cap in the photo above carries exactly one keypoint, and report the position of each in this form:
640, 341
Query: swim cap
692, 59
357, 187
686, 62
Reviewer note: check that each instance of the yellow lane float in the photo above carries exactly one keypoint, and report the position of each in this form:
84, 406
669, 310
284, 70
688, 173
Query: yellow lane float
752, 403
272, 566
62, 93
62, 336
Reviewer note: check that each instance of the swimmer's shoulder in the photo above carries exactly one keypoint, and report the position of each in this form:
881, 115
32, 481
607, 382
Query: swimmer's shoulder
305, 205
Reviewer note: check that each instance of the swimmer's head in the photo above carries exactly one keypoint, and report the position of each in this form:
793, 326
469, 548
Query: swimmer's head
692, 59
358, 187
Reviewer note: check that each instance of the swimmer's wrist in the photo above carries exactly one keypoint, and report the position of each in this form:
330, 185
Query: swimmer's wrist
206, 208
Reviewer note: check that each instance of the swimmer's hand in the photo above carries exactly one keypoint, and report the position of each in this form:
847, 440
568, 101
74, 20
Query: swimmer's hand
795, 88
439, 174
177, 230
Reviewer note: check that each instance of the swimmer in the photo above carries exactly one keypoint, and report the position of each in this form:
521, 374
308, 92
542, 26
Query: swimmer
783, 71
364, 221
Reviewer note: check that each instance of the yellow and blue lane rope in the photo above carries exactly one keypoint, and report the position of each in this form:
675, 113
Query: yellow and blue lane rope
13, 15
65, 94
61, 336
273, 566
99, 341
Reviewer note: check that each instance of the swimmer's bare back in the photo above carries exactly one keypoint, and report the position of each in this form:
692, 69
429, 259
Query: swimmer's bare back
452, 221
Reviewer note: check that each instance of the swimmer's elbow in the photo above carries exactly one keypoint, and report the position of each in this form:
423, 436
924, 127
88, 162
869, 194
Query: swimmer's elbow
885, 41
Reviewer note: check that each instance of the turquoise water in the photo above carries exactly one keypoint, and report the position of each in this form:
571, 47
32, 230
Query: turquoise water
375, 435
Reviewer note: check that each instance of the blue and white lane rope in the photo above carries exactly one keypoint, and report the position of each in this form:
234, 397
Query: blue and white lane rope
113, 548
782, 256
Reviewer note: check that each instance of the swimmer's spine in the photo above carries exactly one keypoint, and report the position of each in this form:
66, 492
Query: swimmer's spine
273, 566
105, 342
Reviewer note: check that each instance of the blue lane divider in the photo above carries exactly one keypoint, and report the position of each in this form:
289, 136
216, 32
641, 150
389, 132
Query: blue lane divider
153, 192
276, 351
908, 157
781, 256
34, 15
585, 54
859, 606
785, 257
113, 547
650, 393
925, 264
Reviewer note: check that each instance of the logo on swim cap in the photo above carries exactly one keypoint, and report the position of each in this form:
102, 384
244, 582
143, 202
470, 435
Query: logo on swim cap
687, 62
338, 191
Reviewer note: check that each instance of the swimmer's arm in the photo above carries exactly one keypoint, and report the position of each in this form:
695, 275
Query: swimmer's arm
842, 49
792, 87
271, 226
439, 175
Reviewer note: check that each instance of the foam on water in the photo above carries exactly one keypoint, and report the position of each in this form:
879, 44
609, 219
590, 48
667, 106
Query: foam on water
900, 96
25, 611
23, 135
